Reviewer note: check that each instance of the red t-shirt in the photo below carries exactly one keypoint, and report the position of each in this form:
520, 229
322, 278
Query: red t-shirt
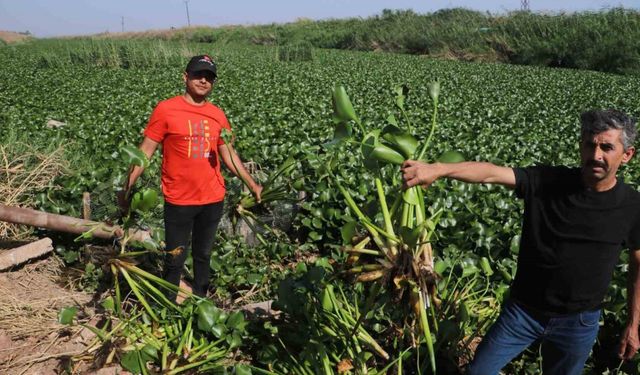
190, 136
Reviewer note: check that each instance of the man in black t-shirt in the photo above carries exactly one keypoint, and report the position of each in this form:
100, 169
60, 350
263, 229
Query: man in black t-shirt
576, 222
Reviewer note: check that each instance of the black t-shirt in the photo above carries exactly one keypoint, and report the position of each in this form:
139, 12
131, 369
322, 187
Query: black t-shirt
571, 239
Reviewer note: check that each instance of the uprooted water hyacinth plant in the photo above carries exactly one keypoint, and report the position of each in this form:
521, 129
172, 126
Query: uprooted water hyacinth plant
395, 251
277, 188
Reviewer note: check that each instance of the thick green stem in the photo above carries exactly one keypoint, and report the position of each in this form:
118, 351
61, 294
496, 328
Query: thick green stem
433, 128
424, 323
136, 291
388, 225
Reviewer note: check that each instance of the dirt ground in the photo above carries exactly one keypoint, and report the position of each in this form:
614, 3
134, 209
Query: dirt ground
31, 339
11, 37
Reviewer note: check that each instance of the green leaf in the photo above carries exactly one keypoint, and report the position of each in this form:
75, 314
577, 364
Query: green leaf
242, 370
386, 154
109, 304
144, 200
342, 108
441, 266
315, 236
207, 315
218, 330
149, 199
341, 132
254, 278
148, 353
67, 314
234, 340
486, 267
410, 236
235, 320
451, 157
401, 94
369, 143
133, 155
348, 231
130, 361
401, 141
70, 256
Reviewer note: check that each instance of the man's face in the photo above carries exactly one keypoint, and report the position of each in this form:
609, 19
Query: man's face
602, 154
199, 84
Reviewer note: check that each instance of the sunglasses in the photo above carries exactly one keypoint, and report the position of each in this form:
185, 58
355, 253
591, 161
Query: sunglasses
210, 77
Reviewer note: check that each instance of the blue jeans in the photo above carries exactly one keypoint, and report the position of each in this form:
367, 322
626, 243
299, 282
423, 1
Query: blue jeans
566, 341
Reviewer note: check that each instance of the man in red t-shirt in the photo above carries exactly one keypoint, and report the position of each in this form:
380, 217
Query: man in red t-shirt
188, 127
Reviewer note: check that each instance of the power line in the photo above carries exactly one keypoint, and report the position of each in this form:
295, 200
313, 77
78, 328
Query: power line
186, 4
524, 5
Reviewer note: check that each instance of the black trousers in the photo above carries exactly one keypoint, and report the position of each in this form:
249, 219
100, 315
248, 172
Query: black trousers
198, 223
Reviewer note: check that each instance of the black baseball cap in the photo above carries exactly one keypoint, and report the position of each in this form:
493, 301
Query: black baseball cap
200, 63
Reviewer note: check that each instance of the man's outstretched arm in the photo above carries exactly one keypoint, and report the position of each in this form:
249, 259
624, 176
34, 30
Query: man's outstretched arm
424, 174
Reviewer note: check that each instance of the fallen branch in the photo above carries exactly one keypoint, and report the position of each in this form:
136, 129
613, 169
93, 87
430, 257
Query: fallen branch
61, 223
22, 254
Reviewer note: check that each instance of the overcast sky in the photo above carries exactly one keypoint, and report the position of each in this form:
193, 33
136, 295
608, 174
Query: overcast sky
45, 18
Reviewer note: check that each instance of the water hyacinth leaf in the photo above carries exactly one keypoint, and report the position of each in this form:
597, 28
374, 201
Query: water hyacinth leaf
144, 200
401, 94
385, 154
410, 236
130, 361
486, 267
369, 143
235, 320
148, 353
67, 314
401, 141
441, 265
218, 330
341, 132
348, 231
469, 267
451, 157
207, 316
342, 108
133, 155
234, 340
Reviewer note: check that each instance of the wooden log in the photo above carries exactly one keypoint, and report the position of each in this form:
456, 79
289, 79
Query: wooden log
67, 224
19, 255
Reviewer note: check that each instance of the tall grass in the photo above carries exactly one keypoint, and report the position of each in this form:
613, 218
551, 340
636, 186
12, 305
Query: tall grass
607, 41
110, 53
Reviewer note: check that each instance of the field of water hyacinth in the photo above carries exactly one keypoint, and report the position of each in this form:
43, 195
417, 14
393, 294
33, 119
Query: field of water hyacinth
331, 239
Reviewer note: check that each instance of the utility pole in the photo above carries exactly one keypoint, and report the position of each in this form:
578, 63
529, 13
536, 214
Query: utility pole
186, 4
122, 23
524, 5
